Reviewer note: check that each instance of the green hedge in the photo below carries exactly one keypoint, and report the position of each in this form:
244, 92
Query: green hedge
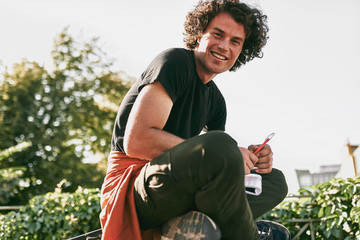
334, 206
53, 216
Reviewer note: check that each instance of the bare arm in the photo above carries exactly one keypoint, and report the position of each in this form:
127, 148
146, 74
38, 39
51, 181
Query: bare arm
144, 137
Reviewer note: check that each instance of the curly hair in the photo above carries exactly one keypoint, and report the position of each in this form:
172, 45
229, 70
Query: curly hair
254, 21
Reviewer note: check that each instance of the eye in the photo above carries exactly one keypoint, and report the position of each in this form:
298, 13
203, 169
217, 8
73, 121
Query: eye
217, 35
236, 42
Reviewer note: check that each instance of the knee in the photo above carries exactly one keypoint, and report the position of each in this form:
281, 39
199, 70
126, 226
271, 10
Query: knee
281, 187
222, 150
218, 140
208, 156
219, 143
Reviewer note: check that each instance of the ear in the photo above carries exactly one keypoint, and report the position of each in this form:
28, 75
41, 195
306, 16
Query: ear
197, 42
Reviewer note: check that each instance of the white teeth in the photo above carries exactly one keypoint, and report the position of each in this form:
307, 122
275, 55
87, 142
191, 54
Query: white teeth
218, 56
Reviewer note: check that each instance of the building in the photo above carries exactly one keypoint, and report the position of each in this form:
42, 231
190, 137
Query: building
326, 172
348, 168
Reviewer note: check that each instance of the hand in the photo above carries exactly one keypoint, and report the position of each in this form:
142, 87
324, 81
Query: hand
265, 156
250, 159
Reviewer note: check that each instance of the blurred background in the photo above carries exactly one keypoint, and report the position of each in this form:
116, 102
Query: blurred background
305, 88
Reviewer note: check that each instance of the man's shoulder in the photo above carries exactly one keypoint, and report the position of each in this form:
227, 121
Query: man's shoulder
177, 51
178, 54
176, 60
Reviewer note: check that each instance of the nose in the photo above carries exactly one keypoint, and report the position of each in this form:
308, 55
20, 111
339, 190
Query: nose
223, 44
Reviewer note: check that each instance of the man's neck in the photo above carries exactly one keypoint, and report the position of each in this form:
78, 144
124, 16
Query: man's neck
205, 77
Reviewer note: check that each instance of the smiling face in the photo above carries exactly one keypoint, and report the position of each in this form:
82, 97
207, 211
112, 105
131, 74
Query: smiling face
219, 46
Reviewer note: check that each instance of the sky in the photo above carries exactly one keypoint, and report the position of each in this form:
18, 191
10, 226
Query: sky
306, 88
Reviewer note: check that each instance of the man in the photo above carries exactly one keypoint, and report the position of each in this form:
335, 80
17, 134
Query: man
160, 167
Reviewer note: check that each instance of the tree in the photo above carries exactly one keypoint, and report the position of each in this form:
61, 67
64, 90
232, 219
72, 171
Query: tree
66, 114
10, 178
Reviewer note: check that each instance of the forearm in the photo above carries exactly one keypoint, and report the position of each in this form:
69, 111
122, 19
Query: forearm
151, 143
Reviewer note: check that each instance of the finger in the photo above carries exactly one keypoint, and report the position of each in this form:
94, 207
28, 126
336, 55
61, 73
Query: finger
264, 165
247, 170
265, 159
251, 148
263, 170
265, 151
253, 158
249, 165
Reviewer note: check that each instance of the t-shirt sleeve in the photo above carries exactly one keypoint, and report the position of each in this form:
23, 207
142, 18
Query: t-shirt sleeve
171, 69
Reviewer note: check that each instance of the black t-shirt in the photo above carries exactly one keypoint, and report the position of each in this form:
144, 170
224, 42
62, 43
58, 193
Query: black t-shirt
196, 106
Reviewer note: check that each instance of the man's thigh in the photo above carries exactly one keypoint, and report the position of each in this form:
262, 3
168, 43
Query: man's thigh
166, 186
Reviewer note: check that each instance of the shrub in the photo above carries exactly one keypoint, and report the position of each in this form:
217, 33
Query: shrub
333, 206
53, 216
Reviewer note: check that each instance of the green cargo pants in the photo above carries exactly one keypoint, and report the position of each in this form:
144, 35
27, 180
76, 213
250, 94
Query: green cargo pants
205, 173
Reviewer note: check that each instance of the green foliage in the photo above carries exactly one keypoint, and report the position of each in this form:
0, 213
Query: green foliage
10, 178
53, 216
10, 151
66, 114
334, 206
